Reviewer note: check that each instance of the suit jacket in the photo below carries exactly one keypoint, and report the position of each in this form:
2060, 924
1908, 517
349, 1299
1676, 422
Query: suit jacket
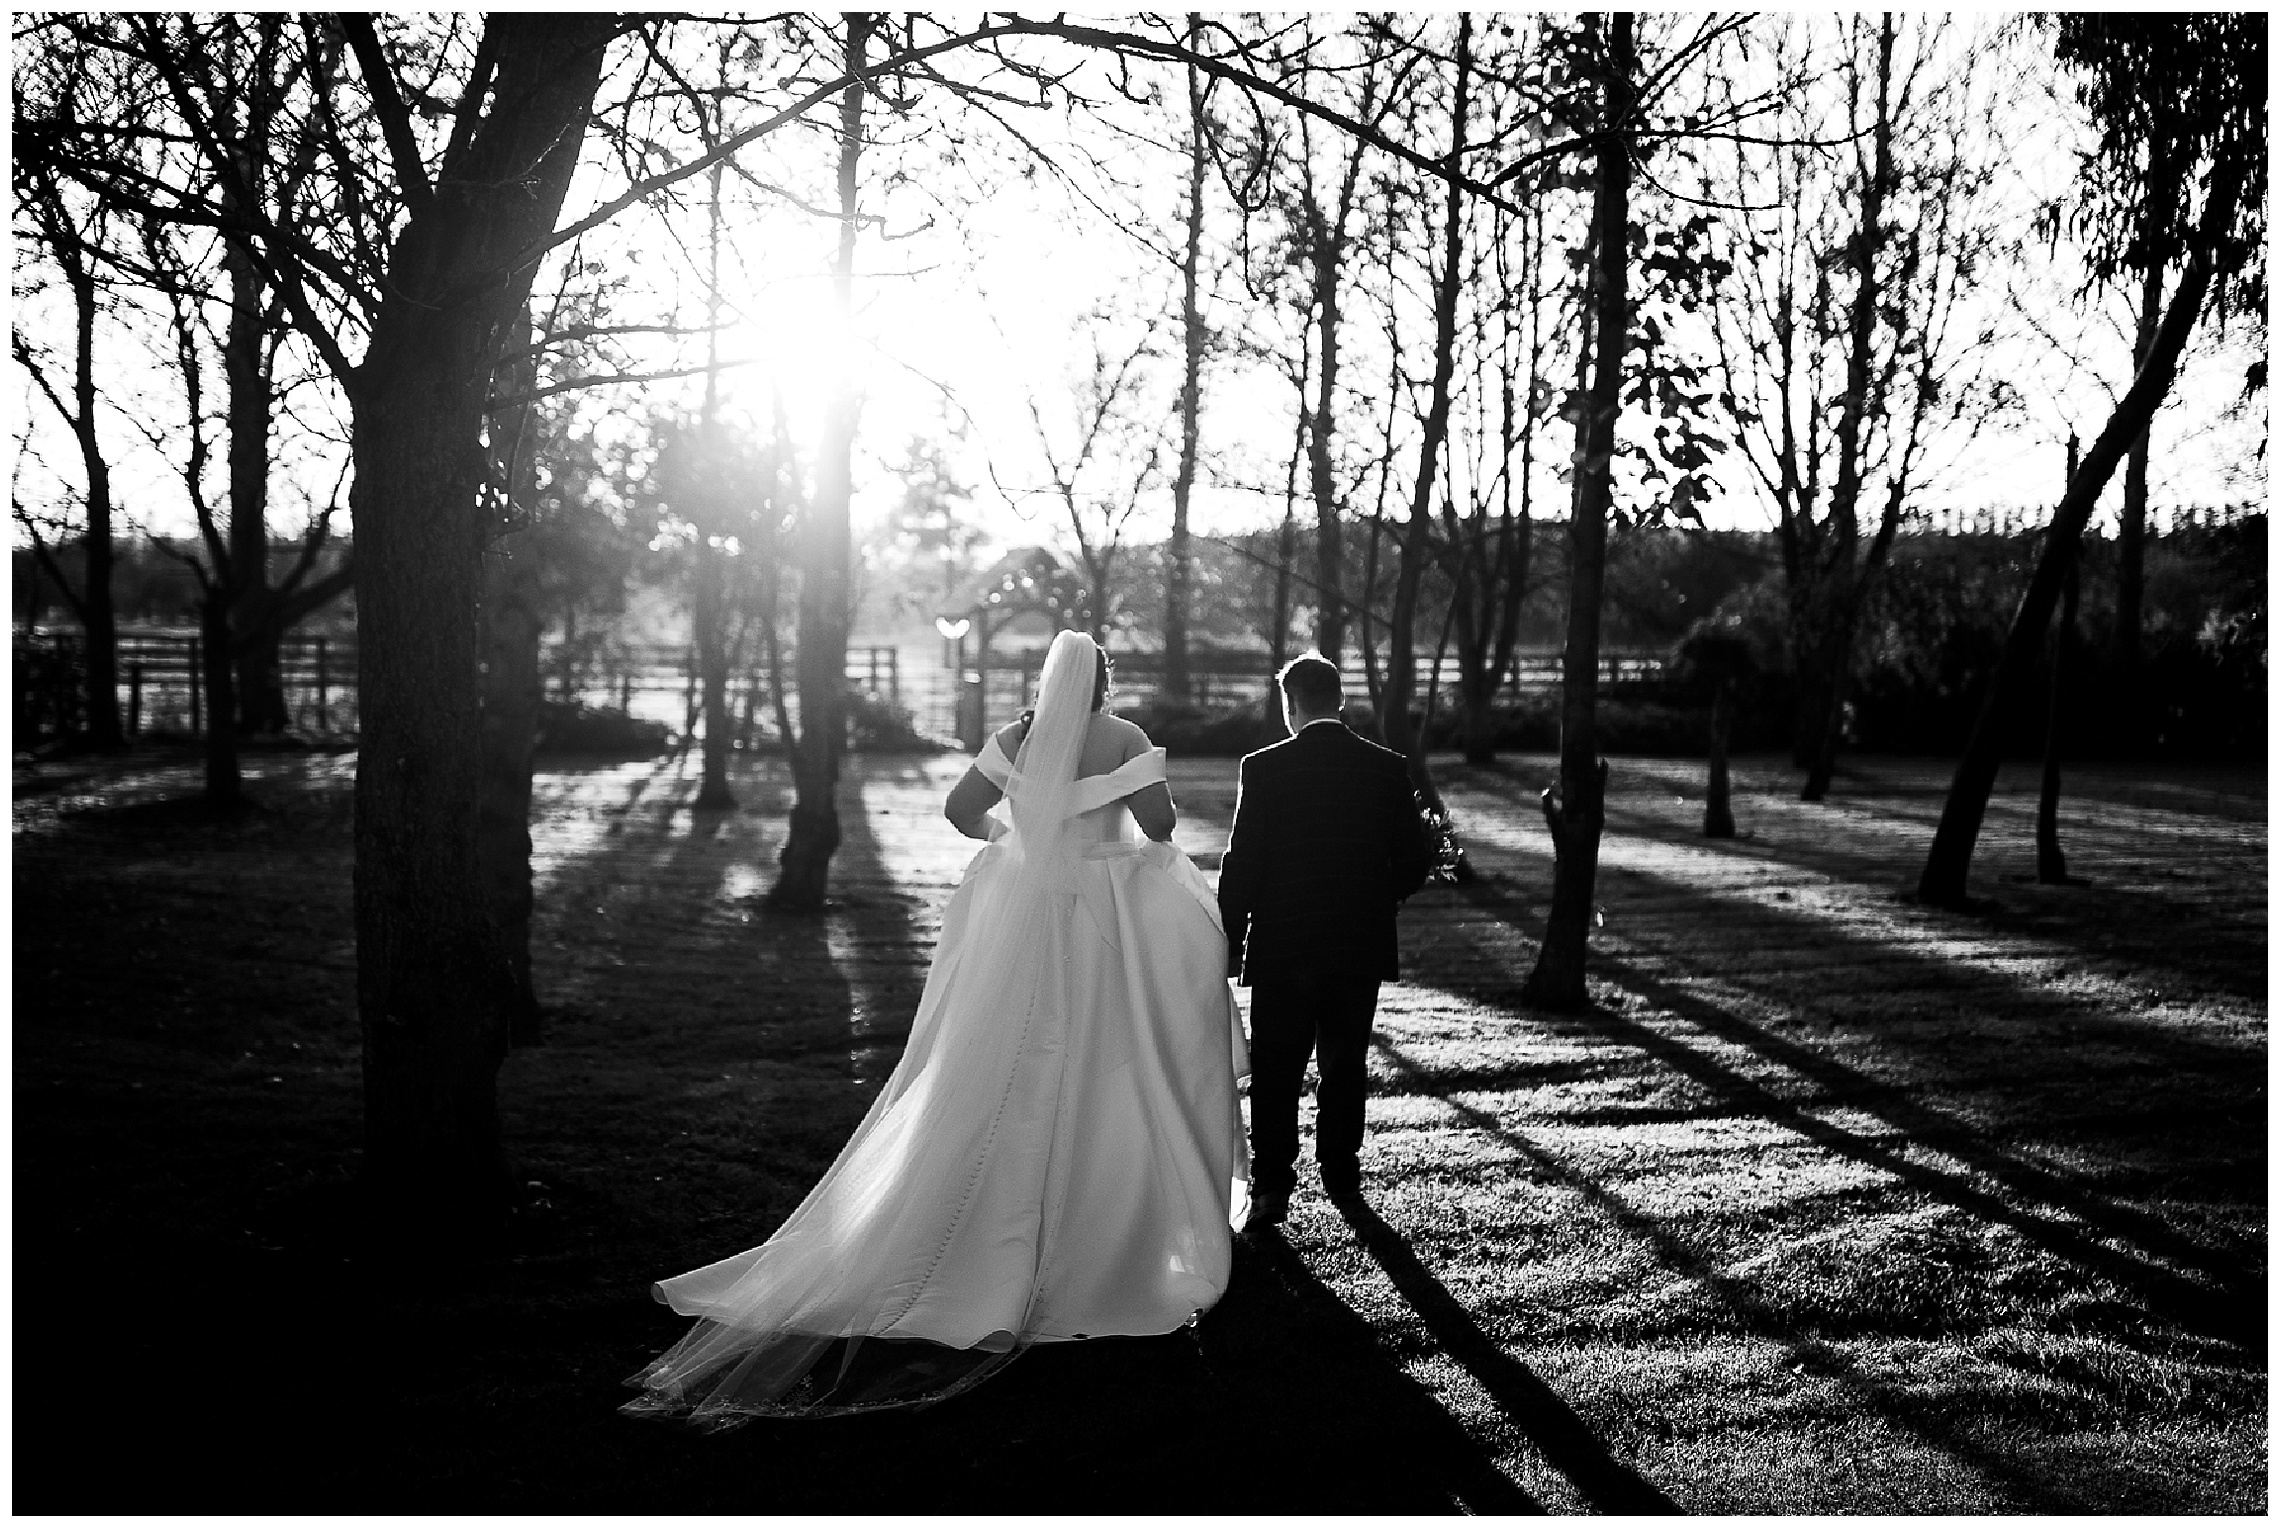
1327, 842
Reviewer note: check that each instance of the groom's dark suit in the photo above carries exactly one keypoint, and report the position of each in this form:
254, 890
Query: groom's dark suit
1326, 844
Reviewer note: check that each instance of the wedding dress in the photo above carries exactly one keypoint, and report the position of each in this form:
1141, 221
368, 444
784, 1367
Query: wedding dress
1059, 1154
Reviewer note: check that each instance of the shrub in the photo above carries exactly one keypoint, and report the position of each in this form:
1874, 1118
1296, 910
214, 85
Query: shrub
1225, 733
565, 728
1653, 719
876, 725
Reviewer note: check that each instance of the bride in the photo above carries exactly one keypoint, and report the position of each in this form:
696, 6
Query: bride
1059, 1154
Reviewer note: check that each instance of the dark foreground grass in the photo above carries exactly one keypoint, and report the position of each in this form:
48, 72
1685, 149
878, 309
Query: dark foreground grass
1829, 1203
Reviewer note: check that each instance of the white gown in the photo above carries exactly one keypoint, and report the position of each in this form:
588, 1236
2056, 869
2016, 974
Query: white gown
1059, 1153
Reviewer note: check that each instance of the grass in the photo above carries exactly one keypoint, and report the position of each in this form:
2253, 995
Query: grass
1830, 1202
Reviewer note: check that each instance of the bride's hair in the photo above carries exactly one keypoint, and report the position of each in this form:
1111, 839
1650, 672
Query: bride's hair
1102, 672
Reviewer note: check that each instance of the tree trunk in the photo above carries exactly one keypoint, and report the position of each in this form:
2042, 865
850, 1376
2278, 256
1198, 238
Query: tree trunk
710, 605
2129, 549
821, 662
1834, 679
1947, 866
2050, 859
1492, 562
245, 357
222, 783
1807, 649
711, 620
1840, 575
1329, 541
1718, 800
102, 648
1401, 734
513, 618
1574, 809
1478, 719
102, 640
512, 601
1100, 593
432, 992
1178, 558
1286, 551
1278, 634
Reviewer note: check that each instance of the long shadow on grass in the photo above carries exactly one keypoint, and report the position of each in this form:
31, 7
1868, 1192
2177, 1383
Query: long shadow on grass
1928, 1127
1805, 1353
1810, 953
1573, 1449
697, 1072
2099, 921
2234, 1311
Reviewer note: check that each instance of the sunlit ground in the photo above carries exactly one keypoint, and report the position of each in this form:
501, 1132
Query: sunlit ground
1831, 1202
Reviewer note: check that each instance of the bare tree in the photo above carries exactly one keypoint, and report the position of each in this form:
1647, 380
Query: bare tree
1575, 808
1417, 549
243, 613
1326, 238
2187, 89
1179, 575
77, 402
825, 604
513, 616
1489, 545
708, 614
1843, 345
2050, 855
1109, 461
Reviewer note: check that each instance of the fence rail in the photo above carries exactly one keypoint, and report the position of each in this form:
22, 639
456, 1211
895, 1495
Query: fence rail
162, 683
1219, 677
162, 688
1230, 672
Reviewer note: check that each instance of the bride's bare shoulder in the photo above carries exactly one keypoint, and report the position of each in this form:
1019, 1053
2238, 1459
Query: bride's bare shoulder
1131, 740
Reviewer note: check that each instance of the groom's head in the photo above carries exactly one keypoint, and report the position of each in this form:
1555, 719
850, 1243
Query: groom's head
1310, 691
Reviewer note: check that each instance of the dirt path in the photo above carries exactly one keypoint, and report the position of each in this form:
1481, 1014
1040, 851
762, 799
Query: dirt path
1831, 1203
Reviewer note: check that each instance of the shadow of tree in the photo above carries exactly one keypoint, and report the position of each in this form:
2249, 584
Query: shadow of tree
1876, 839
2022, 1483
2228, 1299
1564, 1439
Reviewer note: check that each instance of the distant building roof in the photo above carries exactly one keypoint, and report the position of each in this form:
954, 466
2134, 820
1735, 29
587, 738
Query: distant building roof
1028, 578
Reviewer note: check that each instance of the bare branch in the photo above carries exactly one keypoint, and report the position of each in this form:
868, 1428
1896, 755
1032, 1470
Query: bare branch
648, 186
47, 561
610, 379
388, 106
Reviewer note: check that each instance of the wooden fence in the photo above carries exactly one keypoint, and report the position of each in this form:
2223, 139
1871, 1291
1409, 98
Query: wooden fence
1218, 678
162, 690
162, 685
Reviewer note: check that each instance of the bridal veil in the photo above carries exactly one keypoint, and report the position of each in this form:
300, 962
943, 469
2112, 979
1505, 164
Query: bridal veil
1058, 1154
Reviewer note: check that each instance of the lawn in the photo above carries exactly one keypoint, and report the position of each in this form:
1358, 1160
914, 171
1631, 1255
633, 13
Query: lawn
1830, 1202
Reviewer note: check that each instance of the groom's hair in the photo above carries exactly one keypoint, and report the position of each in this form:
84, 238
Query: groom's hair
1311, 684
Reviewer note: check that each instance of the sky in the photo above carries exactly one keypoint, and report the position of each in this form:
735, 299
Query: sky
972, 299
965, 325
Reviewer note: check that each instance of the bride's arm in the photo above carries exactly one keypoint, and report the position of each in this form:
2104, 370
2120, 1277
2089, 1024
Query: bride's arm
975, 793
970, 801
1151, 805
1152, 808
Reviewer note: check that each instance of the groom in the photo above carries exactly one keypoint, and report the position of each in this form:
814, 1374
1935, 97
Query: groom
1327, 842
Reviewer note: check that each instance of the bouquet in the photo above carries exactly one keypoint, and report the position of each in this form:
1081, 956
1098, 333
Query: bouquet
1441, 838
